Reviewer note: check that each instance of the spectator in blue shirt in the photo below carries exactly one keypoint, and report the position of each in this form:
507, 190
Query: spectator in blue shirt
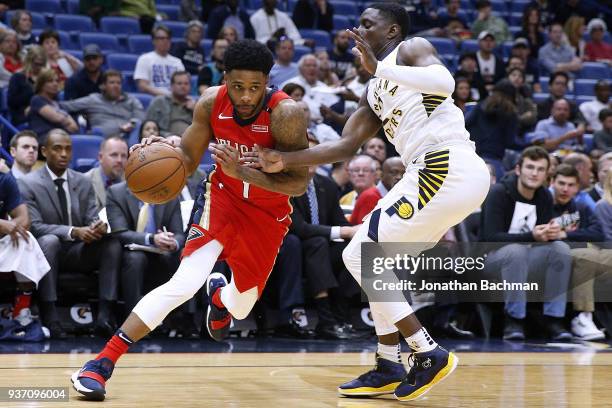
556, 55
557, 131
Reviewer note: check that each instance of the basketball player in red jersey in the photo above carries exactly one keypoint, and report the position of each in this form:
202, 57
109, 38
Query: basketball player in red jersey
242, 216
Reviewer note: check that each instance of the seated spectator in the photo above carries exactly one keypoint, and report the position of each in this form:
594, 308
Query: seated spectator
341, 177
490, 66
88, 80
486, 21
340, 56
462, 95
144, 10
604, 164
190, 52
111, 111
318, 220
557, 131
112, 159
574, 27
270, 23
526, 109
493, 125
211, 74
21, 22
556, 55
453, 24
229, 34
69, 232
96, 9
45, 112
518, 210
58, 60
154, 69
354, 88
317, 14
321, 132
295, 91
284, 68
603, 137
326, 74
468, 68
532, 30
24, 151
590, 110
597, 50
375, 147
580, 228
19, 251
392, 171
21, 84
10, 49
584, 166
603, 209
149, 127
522, 58
557, 86
231, 14
362, 174
188, 10
174, 112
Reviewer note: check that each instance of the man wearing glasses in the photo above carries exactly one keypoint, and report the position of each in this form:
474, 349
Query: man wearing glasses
154, 69
362, 173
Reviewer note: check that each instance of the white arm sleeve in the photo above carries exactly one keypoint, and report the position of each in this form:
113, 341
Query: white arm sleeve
433, 79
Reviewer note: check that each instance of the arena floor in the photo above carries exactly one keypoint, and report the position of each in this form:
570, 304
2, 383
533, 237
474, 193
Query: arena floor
271, 372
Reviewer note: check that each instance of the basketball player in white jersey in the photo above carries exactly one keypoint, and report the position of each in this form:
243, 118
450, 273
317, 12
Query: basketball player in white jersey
410, 98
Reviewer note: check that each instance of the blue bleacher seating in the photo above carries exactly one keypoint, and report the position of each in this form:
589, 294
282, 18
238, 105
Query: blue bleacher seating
469, 46
589, 142
38, 20
506, 49
544, 83
321, 38
443, 45
580, 99
65, 40
171, 10
84, 151
344, 8
540, 97
584, 87
300, 50
44, 6
76, 53
206, 44
106, 42
122, 62
178, 28
518, 6
342, 22
144, 98
72, 7
68, 22
594, 70
139, 44
515, 19
119, 25
499, 6
128, 84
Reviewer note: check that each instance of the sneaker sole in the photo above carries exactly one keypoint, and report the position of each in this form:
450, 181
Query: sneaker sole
453, 360
214, 275
90, 395
369, 391
590, 337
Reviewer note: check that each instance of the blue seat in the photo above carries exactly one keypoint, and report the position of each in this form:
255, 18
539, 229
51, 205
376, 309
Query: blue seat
320, 37
73, 7
171, 10
106, 42
469, 46
85, 150
342, 22
139, 44
65, 40
580, 99
499, 6
585, 87
506, 49
122, 62
515, 30
544, 84
128, 84
299, 51
68, 22
594, 70
589, 142
76, 53
38, 20
119, 25
206, 45
344, 8
443, 45
515, 19
44, 6
540, 97
178, 28
519, 5
144, 98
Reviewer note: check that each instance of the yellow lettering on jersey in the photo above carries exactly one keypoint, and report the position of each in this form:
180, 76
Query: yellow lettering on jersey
393, 90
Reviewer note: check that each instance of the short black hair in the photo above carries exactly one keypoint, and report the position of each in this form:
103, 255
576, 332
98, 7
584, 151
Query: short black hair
558, 74
604, 114
49, 33
396, 13
465, 55
482, 3
249, 55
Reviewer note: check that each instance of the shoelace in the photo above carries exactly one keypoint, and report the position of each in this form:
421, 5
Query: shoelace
416, 365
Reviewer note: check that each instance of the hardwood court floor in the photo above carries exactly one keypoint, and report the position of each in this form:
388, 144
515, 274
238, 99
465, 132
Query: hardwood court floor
309, 380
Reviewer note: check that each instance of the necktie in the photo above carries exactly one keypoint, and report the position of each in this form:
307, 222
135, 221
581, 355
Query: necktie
59, 182
146, 219
314, 206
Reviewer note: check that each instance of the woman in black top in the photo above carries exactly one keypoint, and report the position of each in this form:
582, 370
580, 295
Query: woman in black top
21, 84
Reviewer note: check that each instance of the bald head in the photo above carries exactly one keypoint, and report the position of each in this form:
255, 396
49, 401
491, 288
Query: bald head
561, 111
392, 171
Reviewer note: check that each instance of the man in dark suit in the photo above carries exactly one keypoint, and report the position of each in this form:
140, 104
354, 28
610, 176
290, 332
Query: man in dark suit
62, 207
318, 220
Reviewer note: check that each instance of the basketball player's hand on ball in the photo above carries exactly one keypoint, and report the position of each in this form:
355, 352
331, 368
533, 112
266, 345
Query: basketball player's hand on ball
151, 139
266, 160
227, 157
363, 50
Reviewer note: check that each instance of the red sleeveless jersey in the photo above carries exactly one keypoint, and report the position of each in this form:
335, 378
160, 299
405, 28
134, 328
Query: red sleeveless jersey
243, 134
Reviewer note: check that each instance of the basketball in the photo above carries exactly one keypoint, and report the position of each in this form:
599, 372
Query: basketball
155, 173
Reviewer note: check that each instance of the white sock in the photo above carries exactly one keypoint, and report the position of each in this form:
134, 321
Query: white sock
391, 353
421, 341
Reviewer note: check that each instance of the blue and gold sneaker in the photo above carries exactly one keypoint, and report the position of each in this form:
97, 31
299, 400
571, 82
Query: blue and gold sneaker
218, 320
428, 369
383, 379
90, 381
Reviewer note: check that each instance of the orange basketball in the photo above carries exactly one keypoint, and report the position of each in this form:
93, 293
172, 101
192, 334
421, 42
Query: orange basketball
155, 173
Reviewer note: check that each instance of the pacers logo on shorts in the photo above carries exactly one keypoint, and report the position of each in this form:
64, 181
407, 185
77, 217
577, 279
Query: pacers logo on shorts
401, 207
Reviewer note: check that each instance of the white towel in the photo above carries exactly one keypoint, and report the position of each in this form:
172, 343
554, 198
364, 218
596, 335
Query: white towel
26, 258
